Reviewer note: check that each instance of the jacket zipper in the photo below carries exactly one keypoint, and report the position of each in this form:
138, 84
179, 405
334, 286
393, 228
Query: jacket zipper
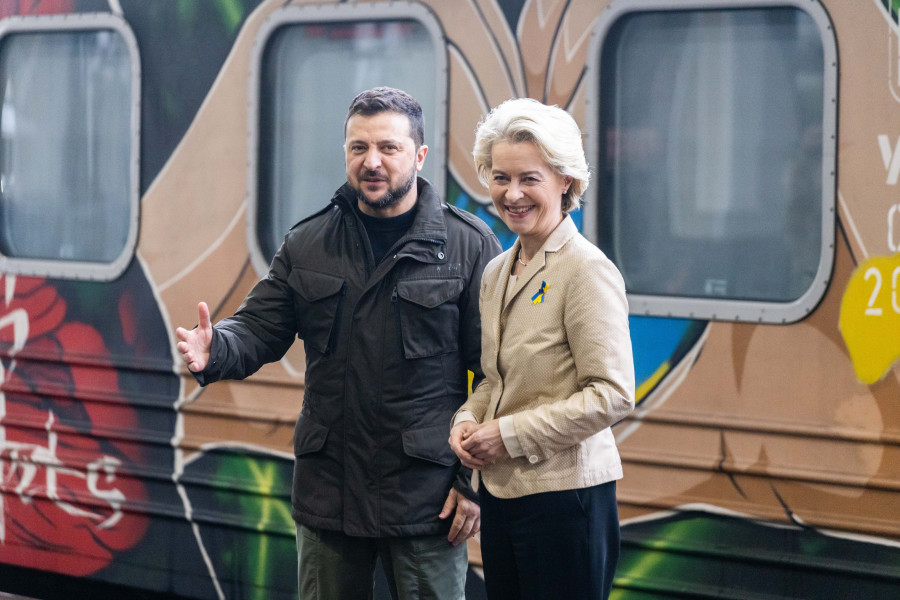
395, 300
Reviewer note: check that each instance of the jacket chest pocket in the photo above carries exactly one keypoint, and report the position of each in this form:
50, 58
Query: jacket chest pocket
317, 301
429, 316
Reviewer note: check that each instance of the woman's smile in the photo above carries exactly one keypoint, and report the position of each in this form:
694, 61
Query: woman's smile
526, 192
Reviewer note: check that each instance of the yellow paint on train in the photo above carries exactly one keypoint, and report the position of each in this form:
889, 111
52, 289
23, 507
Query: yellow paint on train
870, 317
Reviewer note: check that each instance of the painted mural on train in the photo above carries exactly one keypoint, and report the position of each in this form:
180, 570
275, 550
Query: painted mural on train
762, 455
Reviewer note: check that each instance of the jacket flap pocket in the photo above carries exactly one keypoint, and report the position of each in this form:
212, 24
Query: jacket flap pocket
429, 292
430, 444
309, 436
313, 286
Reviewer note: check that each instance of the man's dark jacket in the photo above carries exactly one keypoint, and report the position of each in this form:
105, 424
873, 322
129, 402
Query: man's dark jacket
388, 347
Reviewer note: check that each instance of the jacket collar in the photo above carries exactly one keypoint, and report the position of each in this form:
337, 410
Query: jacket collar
429, 220
558, 238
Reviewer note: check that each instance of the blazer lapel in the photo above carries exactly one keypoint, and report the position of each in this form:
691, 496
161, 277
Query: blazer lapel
558, 238
498, 302
493, 312
508, 265
535, 266
502, 301
500, 315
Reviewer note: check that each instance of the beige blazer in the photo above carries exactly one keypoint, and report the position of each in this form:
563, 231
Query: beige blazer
560, 363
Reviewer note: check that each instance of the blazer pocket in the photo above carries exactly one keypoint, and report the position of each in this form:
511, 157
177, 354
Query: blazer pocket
429, 316
317, 301
429, 443
562, 465
309, 436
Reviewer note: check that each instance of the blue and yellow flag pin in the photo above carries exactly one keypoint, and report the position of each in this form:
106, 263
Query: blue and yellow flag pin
539, 297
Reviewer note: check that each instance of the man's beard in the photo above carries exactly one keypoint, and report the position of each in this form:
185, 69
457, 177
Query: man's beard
392, 196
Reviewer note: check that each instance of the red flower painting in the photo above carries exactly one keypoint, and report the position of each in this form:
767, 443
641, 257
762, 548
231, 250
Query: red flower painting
66, 449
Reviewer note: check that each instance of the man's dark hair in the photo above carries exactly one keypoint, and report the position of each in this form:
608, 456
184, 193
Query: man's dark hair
387, 99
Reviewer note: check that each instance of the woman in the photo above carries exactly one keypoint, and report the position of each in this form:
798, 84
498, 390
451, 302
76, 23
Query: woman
556, 354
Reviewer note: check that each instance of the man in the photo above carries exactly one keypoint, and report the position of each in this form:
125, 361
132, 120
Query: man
382, 286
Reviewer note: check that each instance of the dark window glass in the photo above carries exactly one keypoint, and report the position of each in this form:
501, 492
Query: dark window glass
65, 145
310, 73
711, 152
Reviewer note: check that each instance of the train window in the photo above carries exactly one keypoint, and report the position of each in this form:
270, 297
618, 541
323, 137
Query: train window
310, 63
69, 94
715, 156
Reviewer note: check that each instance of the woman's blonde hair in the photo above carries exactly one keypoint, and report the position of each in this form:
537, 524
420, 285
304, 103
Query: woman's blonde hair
552, 130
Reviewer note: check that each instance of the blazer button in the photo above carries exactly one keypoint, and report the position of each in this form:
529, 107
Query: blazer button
533, 459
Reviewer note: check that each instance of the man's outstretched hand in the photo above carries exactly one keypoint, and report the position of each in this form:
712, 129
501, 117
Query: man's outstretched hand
194, 344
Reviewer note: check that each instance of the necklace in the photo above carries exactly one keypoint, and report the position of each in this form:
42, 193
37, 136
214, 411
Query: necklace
519, 258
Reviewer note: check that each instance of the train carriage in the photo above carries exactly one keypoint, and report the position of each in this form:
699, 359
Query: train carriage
745, 162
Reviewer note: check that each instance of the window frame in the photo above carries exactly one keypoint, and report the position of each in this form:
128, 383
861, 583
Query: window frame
724, 309
339, 13
87, 270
